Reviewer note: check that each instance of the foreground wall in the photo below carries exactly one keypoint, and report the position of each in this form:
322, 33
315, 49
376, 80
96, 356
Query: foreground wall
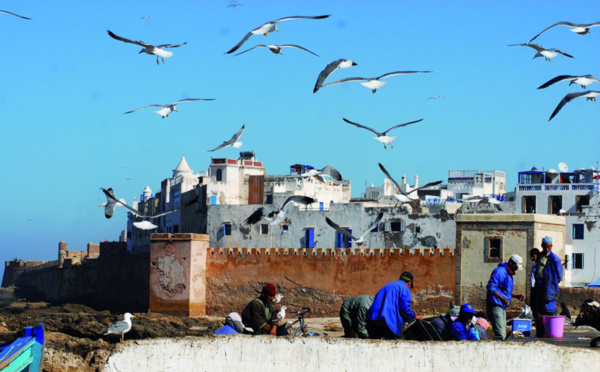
265, 353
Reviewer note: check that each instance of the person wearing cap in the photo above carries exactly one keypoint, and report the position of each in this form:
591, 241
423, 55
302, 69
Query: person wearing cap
500, 292
548, 274
259, 314
464, 327
589, 314
442, 322
233, 325
353, 316
391, 309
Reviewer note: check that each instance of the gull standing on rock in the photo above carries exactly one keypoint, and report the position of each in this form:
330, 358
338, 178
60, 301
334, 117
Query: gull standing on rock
169, 108
375, 82
276, 49
270, 27
360, 240
157, 50
578, 28
590, 95
13, 14
329, 69
544, 52
382, 136
232, 142
583, 80
121, 326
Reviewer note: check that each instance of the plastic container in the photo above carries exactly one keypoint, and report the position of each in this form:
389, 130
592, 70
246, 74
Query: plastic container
523, 326
554, 326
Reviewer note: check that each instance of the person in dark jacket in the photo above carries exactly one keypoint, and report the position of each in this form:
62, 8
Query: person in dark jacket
548, 275
259, 315
463, 328
353, 316
391, 309
589, 314
443, 321
500, 292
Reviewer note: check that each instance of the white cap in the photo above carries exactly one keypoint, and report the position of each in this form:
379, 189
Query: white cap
518, 260
235, 317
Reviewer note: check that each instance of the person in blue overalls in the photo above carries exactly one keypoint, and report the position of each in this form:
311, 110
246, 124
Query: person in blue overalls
548, 274
463, 328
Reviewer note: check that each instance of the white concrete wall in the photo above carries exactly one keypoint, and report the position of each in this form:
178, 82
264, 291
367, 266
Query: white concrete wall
264, 353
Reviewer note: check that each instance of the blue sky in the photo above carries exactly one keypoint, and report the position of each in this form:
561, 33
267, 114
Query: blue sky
64, 85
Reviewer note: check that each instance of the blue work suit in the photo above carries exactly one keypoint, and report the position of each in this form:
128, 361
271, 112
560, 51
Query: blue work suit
501, 281
392, 307
459, 332
546, 288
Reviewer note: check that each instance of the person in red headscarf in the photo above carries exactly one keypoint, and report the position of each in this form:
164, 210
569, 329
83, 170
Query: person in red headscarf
259, 314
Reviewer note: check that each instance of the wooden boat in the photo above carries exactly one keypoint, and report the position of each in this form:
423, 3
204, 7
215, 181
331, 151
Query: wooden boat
25, 353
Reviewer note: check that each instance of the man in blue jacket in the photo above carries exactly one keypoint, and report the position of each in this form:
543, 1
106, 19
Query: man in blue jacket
499, 294
463, 328
548, 274
391, 309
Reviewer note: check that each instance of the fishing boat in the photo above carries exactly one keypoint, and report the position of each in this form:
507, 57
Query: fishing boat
25, 353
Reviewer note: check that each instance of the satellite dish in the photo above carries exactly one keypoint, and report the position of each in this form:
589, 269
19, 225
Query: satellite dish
563, 167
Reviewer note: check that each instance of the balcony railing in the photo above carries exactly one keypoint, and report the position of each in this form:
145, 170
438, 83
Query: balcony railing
560, 187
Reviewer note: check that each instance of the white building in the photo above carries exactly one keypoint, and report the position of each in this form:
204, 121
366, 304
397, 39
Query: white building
574, 195
466, 183
236, 182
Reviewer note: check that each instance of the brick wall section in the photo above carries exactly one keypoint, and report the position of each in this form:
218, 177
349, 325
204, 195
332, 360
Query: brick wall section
236, 275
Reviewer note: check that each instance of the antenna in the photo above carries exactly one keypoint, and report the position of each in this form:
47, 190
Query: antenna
563, 167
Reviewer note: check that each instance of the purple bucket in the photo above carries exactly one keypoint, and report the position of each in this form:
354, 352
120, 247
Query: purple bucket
554, 326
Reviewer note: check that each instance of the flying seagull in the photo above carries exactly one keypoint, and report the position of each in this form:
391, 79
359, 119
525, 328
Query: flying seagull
404, 197
583, 80
121, 326
270, 27
145, 225
145, 17
544, 52
373, 83
435, 97
276, 48
328, 170
277, 216
329, 69
360, 240
590, 95
580, 29
232, 142
169, 108
111, 203
157, 50
16, 15
382, 136
235, 5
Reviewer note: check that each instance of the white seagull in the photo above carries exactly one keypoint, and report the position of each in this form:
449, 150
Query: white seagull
270, 27
328, 170
382, 136
590, 95
276, 49
580, 29
157, 50
111, 203
360, 240
375, 82
235, 5
547, 53
435, 97
233, 141
121, 326
583, 80
404, 197
277, 216
329, 69
277, 298
13, 14
165, 110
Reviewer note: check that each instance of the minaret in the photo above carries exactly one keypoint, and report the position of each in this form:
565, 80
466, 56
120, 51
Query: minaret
182, 169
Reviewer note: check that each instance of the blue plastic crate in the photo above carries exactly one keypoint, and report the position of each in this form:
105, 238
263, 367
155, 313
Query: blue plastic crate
523, 326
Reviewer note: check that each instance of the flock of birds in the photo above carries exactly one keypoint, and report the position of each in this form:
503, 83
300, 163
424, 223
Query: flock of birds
549, 53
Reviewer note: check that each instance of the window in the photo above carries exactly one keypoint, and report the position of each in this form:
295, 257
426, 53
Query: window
309, 237
555, 204
269, 199
227, 228
321, 206
492, 249
396, 226
285, 228
529, 204
417, 229
213, 199
577, 260
582, 200
264, 229
219, 175
577, 231
375, 229
175, 229
343, 241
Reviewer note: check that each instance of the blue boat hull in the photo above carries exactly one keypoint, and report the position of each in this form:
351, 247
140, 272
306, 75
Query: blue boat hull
25, 353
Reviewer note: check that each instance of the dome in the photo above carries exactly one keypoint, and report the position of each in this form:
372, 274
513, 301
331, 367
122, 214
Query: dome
182, 168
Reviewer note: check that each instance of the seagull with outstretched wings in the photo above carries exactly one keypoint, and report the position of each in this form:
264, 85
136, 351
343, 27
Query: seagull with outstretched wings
404, 197
329, 69
373, 83
547, 53
276, 49
590, 95
578, 28
232, 142
157, 50
165, 110
360, 240
277, 216
583, 80
382, 136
